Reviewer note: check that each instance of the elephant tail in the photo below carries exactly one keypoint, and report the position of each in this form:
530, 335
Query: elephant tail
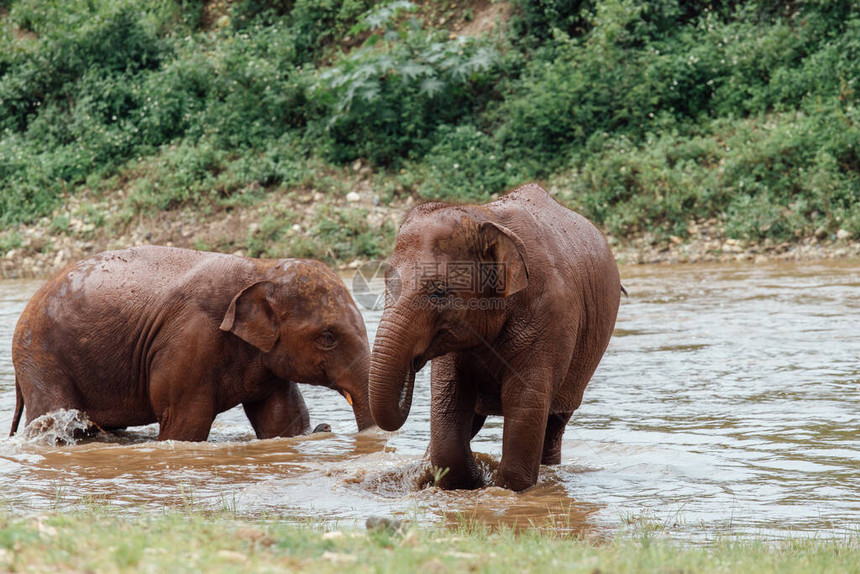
19, 408
623, 290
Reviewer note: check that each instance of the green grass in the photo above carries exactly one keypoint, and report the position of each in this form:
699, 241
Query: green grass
101, 539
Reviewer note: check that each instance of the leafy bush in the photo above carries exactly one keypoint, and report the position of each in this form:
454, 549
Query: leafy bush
337, 234
539, 18
777, 177
203, 172
385, 100
645, 114
464, 164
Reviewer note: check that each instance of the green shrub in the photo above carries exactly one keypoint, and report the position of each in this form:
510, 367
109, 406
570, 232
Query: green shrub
10, 240
777, 176
201, 172
539, 18
385, 100
335, 234
646, 114
464, 164
313, 24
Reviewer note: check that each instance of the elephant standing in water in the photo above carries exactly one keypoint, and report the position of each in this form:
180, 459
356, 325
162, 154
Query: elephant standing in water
176, 336
514, 301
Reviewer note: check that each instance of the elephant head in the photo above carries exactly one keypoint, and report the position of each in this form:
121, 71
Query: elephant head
308, 329
450, 276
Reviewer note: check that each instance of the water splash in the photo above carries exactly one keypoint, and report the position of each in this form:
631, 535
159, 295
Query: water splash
412, 477
62, 427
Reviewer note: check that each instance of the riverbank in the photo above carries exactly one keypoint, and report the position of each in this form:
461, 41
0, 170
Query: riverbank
352, 219
100, 539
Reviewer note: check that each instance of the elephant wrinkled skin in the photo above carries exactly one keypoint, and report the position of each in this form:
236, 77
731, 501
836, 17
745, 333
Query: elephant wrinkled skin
176, 336
519, 337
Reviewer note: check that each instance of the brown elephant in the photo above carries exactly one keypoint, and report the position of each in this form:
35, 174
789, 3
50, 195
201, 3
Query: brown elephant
514, 301
176, 336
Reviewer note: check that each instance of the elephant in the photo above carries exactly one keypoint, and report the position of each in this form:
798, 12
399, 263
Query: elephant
514, 303
176, 336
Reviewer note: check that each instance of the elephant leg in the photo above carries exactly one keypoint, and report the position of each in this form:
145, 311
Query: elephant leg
478, 423
552, 439
174, 424
45, 387
526, 395
281, 414
182, 395
452, 419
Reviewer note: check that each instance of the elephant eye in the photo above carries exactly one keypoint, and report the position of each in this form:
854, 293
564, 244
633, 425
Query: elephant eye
438, 293
326, 339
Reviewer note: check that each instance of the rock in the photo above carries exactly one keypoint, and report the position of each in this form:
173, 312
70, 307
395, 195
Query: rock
355, 264
820, 233
254, 535
333, 535
46, 530
384, 524
231, 555
353, 197
410, 540
337, 558
433, 566
239, 253
356, 165
322, 427
843, 234
296, 227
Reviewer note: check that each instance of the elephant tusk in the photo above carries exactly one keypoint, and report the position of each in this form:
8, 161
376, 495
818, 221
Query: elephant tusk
348, 397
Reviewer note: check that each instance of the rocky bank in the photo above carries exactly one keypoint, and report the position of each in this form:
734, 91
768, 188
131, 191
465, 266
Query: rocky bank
85, 225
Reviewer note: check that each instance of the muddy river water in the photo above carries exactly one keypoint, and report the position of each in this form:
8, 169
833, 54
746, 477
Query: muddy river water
728, 401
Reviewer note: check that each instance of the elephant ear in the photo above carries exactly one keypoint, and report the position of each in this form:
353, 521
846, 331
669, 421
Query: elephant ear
251, 317
505, 248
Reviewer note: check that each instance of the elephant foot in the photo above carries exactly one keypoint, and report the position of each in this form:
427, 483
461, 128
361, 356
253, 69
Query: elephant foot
515, 483
447, 480
551, 458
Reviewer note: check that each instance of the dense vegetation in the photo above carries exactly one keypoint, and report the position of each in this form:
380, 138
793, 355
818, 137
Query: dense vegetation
645, 115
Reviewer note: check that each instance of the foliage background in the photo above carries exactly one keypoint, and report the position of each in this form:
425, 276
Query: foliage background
645, 116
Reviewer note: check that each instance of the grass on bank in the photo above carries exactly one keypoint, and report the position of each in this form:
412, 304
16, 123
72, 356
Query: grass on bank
101, 540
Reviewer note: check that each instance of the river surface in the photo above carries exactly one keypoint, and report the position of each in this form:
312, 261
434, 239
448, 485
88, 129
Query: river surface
727, 402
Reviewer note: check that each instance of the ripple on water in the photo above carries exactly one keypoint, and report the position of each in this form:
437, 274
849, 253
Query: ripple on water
728, 399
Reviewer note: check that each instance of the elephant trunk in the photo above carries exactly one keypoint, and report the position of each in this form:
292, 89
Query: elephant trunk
361, 405
351, 382
392, 370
